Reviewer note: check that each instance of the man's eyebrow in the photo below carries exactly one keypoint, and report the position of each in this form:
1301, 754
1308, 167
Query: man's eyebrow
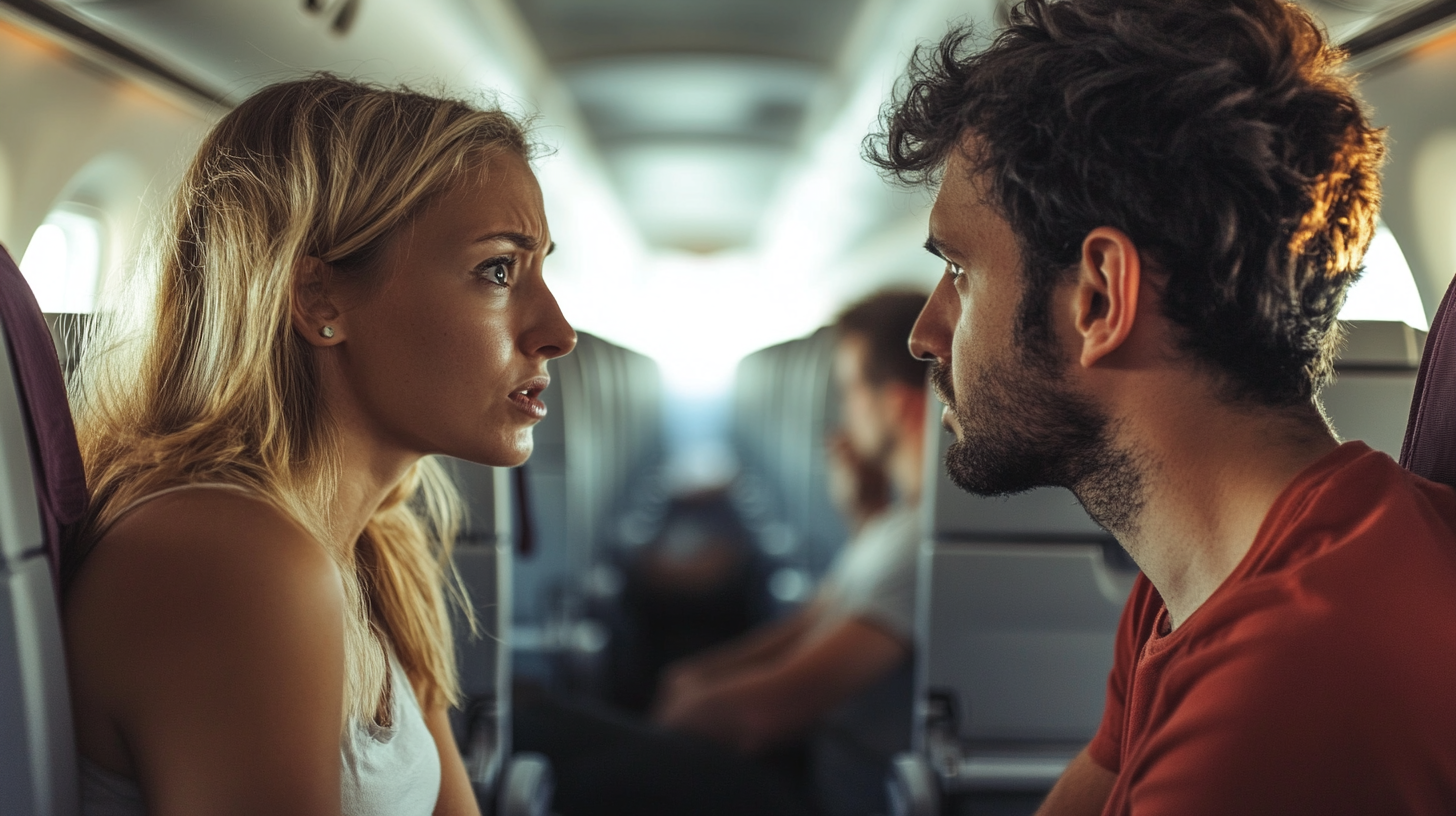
520, 239
943, 251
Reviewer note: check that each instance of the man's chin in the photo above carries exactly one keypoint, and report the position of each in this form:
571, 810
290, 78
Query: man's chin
976, 475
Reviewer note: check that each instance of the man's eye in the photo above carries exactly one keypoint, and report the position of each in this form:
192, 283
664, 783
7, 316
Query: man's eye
954, 270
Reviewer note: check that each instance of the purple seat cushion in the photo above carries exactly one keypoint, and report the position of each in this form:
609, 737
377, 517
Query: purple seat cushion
1429, 449
56, 460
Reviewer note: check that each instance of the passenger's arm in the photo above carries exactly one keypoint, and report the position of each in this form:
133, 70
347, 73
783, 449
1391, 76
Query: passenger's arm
759, 708
763, 645
456, 796
1082, 790
209, 641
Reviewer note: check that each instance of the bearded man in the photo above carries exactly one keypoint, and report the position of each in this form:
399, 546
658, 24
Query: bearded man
1149, 212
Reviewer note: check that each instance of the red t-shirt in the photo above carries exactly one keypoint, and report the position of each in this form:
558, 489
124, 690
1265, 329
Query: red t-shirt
1320, 678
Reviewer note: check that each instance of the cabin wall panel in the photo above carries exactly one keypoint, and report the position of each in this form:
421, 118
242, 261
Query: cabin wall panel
81, 130
1412, 97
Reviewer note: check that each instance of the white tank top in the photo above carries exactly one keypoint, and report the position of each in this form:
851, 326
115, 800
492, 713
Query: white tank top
392, 771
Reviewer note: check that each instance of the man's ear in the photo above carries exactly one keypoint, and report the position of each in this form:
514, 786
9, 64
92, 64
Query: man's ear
1104, 304
315, 317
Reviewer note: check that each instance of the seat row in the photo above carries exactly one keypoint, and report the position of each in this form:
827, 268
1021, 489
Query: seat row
784, 404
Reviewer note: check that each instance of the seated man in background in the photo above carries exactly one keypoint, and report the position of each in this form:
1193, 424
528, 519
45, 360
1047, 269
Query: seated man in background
840, 666
1149, 212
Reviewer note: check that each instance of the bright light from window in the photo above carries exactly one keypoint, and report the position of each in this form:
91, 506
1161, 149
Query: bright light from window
1387, 290
63, 262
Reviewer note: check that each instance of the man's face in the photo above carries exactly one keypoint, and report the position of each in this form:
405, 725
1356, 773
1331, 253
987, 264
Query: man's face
865, 412
1019, 423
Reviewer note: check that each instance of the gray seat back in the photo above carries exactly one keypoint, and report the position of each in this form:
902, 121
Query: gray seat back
483, 558
1375, 380
1020, 599
37, 749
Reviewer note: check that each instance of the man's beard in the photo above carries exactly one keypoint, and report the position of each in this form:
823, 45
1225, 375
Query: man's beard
1023, 429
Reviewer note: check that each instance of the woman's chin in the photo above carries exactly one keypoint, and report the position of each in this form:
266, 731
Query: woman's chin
509, 454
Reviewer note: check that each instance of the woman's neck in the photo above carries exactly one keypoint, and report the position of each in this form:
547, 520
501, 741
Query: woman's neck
370, 468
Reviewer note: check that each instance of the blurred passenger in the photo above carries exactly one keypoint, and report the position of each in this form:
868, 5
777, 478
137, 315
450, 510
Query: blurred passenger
701, 581
838, 670
1149, 212
255, 615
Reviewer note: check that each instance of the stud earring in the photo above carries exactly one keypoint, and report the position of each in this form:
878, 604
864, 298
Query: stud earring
327, 331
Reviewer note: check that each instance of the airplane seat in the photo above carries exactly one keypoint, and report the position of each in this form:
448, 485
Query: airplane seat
42, 492
596, 464
1019, 603
783, 406
1429, 446
506, 783
1375, 378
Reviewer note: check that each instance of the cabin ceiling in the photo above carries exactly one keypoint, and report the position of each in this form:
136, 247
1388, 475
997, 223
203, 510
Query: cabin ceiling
697, 108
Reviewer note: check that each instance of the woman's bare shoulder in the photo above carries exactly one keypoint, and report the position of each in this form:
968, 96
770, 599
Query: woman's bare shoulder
205, 533
196, 588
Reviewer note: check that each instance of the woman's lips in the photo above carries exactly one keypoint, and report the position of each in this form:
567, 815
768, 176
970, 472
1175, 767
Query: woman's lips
527, 398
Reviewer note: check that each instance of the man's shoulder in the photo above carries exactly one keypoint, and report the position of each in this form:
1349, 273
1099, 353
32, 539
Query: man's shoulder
1312, 649
1365, 493
1360, 519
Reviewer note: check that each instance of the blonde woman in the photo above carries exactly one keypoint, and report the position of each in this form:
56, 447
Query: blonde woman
255, 615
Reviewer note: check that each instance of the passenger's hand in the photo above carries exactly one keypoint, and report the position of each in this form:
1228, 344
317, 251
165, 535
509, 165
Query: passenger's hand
709, 711
680, 681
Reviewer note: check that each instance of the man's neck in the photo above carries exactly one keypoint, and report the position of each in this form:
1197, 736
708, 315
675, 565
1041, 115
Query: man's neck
1209, 479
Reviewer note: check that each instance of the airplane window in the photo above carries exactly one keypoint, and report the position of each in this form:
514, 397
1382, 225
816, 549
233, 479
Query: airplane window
1387, 290
62, 264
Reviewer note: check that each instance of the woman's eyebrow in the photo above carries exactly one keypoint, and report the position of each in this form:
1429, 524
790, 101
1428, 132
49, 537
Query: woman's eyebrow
520, 239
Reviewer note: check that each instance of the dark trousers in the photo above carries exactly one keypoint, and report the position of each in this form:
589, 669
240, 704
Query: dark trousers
608, 764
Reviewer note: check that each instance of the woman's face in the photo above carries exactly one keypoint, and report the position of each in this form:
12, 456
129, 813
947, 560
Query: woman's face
447, 352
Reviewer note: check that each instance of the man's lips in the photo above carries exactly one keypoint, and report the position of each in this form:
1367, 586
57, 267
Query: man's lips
527, 397
940, 383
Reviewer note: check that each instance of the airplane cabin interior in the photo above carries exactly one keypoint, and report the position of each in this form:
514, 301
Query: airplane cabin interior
701, 166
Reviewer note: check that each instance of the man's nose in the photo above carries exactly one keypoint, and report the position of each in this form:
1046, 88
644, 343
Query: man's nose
930, 339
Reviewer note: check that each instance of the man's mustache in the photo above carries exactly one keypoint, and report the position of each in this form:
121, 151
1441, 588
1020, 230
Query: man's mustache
940, 383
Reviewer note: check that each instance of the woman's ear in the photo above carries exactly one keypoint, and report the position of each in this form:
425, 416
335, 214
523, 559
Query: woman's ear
315, 317
1109, 282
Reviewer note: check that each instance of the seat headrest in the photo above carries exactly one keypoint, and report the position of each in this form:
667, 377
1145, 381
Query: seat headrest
1429, 449
55, 458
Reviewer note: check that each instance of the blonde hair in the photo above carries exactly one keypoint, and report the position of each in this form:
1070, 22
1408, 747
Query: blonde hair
217, 386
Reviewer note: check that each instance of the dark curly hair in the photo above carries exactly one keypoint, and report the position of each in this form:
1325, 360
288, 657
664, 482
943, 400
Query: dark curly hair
1220, 135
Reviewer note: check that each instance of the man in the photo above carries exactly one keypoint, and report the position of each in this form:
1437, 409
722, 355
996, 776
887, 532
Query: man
1150, 211
841, 663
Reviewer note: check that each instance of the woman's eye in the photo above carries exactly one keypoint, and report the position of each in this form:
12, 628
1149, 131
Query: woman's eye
496, 270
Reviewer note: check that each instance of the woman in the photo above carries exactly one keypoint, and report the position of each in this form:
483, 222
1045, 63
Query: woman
255, 613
